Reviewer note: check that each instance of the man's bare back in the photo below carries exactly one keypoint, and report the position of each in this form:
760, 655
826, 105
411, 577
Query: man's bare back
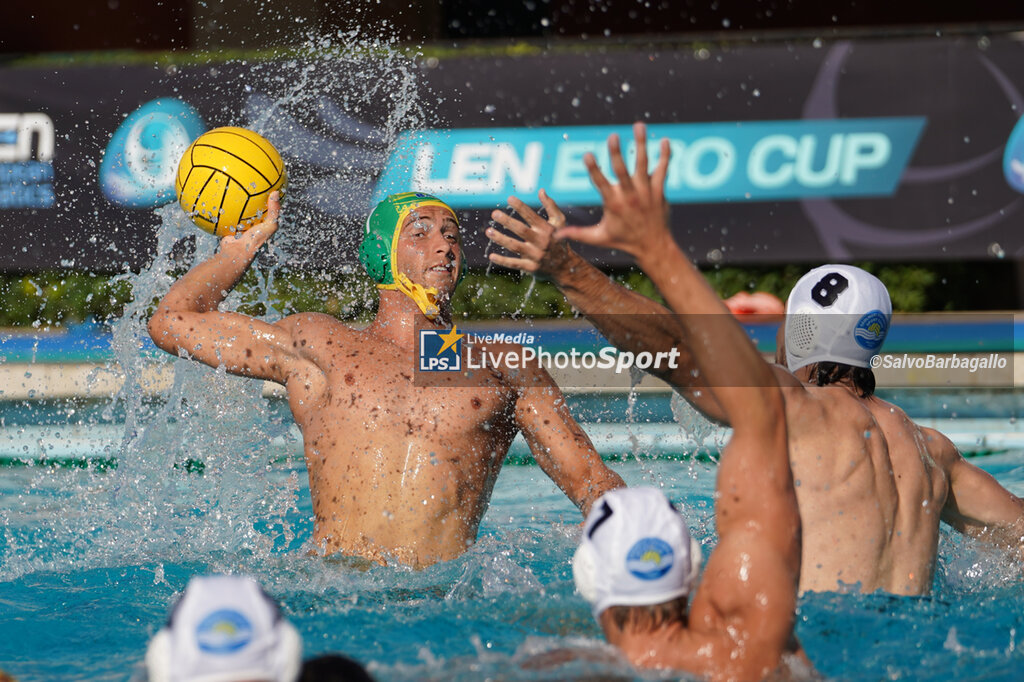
398, 470
871, 486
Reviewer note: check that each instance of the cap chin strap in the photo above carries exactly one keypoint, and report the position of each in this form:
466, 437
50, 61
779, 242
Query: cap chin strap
425, 298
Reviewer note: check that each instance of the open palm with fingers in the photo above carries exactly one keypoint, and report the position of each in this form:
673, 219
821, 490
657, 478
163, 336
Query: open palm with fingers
537, 251
635, 210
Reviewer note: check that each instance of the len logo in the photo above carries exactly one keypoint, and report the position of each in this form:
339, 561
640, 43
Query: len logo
440, 351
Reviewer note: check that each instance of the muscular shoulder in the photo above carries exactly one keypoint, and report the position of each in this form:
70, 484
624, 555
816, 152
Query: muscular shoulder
750, 586
801, 398
892, 418
900, 429
940, 447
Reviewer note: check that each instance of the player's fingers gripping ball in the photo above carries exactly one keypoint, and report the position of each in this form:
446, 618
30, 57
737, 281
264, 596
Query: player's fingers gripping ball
225, 177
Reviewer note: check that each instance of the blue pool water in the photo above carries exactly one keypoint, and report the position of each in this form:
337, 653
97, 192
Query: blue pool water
90, 561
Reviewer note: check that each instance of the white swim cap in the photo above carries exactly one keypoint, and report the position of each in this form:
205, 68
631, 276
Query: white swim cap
636, 550
836, 313
224, 629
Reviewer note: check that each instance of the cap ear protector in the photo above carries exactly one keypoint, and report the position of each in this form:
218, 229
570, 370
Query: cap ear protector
380, 241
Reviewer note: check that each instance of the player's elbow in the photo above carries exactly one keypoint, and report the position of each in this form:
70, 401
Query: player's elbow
160, 329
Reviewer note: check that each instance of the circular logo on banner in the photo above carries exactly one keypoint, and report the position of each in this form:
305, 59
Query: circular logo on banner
1013, 158
141, 159
870, 330
223, 632
649, 558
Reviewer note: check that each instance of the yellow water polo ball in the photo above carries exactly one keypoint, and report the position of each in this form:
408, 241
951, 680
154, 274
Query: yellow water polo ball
225, 177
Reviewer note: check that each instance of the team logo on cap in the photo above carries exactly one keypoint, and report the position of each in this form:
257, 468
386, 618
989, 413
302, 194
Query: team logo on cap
871, 329
649, 558
223, 632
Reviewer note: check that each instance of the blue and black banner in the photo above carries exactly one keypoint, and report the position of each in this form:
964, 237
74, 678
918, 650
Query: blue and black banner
896, 150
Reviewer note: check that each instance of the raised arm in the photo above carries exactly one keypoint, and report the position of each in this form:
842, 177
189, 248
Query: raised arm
977, 505
187, 320
562, 449
611, 308
745, 605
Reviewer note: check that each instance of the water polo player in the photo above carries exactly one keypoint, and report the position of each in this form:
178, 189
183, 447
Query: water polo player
636, 563
397, 471
873, 484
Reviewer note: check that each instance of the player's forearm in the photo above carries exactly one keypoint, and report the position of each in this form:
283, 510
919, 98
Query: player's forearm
725, 356
592, 292
1008, 532
207, 284
601, 480
613, 310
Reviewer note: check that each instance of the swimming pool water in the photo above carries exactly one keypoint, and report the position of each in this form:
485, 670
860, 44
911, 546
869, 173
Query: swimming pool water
79, 603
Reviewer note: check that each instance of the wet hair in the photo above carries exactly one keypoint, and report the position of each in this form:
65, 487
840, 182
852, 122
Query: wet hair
649, 617
862, 378
333, 668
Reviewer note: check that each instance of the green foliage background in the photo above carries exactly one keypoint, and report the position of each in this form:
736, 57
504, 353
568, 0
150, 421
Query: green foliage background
49, 299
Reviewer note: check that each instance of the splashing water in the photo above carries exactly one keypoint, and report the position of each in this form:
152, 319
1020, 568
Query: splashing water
154, 507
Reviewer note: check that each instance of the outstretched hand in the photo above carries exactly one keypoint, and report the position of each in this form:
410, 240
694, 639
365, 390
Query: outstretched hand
635, 211
537, 250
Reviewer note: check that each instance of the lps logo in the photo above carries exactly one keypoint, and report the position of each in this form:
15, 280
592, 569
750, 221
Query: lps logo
440, 352
141, 160
26, 161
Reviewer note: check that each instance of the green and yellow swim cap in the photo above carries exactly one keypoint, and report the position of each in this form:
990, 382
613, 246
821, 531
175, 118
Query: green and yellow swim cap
377, 250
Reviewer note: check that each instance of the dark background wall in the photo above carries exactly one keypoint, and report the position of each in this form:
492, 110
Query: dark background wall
31, 26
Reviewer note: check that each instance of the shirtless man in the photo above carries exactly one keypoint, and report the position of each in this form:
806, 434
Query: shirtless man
872, 485
636, 563
397, 470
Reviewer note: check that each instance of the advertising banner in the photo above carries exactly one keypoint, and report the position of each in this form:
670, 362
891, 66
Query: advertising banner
894, 150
